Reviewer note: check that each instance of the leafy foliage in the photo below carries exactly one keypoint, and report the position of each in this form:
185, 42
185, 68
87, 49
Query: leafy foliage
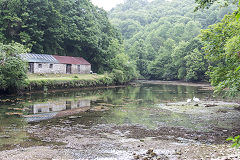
160, 36
63, 27
235, 140
207, 3
12, 68
221, 44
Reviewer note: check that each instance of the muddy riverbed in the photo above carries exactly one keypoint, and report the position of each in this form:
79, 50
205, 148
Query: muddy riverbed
149, 121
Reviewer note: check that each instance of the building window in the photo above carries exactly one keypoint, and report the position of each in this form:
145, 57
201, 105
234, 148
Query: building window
39, 65
79, 68
51, 66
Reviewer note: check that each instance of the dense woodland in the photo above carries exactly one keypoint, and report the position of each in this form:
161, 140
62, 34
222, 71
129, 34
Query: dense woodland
63, 27
162, 36
166, 40
177, 40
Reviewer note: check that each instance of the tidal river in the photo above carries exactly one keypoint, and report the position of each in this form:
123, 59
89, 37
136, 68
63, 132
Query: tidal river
148, 120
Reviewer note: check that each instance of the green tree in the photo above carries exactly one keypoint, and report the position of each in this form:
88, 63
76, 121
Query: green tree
34, 23
121, 68
207, 3
12, 67
63, 27
195, 66
221, 44
163, 27
222, 49
180, 63
139, 52
159, 68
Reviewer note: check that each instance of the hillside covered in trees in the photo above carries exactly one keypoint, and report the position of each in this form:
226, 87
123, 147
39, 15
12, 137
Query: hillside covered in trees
162, 37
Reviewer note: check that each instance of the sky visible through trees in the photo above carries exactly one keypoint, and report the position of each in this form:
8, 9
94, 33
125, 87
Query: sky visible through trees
106, 4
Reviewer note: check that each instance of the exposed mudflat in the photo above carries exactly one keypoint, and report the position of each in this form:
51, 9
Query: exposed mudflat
123, 142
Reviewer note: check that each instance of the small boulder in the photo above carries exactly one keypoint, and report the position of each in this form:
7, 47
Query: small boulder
149, 151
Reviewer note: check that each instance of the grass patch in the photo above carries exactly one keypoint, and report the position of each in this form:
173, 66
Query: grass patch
35, 77
65, 81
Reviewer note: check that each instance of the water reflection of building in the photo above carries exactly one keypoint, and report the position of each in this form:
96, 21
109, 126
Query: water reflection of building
54, 109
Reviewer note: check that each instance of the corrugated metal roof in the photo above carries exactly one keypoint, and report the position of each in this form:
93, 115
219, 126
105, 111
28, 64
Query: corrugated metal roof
40, 58
45, 58
71, 60
82, 60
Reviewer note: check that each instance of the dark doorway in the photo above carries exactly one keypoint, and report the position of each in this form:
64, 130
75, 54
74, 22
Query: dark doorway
68, 105
69, 69
31, 67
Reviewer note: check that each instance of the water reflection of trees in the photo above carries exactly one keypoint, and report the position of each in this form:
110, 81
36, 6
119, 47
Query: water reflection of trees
149, 93
12, 128
139, 105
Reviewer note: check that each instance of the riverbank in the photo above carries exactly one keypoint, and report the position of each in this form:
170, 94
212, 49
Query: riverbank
45, 82
115, 145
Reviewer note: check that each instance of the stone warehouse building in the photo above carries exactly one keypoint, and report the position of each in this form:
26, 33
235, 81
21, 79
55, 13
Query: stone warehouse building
43, 63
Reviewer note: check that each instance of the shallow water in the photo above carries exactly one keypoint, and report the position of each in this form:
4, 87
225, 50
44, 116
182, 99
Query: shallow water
145, 105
